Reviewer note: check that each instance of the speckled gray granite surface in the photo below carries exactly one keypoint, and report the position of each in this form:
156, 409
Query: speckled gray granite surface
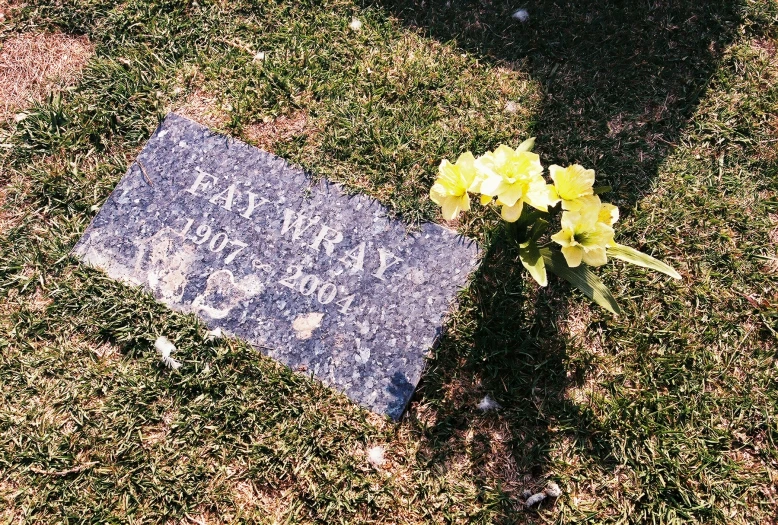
321, 281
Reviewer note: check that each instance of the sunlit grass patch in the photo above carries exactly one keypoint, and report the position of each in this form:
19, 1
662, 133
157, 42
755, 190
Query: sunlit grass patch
664, 413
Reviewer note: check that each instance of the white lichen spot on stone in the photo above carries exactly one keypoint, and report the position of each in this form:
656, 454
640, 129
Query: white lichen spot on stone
362, 354
304, 325
168, 266
416, 276
223, 293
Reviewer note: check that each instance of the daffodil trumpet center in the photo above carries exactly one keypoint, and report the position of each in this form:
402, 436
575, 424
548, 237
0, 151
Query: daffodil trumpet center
580, 238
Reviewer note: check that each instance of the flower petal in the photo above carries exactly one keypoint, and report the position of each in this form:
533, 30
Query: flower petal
511, 193
563, 237
588, 206
438, 193
573, 255
453, 205
595, 256
466, 169
553, 196
609, 214
538, 196
572, 182
491, 185
527, 145
601, 235
512, 213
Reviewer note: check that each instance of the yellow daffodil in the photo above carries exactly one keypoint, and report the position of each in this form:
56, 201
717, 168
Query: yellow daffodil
587, 205
608, 214
537, 195
514, 177
450, 188
486, 199
571, 184
584, 237
475, 187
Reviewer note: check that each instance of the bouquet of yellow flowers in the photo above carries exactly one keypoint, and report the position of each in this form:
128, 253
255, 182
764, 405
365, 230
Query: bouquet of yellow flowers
513, 180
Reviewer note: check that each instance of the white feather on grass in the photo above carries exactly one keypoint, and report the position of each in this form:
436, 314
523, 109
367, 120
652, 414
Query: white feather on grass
355, 24
487, 403
165, 348
522, 15
511, 107
375, 456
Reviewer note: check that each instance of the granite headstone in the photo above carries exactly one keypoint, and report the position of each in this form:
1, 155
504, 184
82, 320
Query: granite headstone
322, 281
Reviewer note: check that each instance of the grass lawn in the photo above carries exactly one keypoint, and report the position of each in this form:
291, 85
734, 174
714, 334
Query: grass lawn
665, 414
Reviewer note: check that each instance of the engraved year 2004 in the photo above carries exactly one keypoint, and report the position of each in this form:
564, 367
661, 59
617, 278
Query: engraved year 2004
308, 284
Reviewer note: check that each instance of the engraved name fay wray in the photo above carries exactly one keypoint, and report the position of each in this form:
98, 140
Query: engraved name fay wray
321, 281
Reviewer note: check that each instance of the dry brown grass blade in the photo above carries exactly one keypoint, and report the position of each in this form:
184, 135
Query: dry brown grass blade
266, 134
32, 64
66, 472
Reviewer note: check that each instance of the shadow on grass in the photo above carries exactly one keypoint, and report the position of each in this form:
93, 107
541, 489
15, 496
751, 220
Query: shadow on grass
621, 81
504, 343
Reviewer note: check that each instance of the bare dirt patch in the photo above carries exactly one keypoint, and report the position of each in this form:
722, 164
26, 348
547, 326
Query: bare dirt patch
39, 301
496, 456
107, 351
242, 498
265, 134
250, 499
767, 148
34, 64
205, 108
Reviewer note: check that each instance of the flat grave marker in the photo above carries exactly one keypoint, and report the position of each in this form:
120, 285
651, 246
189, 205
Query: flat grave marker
319, 280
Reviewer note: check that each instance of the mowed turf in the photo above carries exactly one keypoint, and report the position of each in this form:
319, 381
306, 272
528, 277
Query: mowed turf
666, 414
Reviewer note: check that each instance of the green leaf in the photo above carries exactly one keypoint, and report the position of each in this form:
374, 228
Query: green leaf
631, 255
528, 216
599, 190
582, 278
527, 145
533, 262
538, 229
